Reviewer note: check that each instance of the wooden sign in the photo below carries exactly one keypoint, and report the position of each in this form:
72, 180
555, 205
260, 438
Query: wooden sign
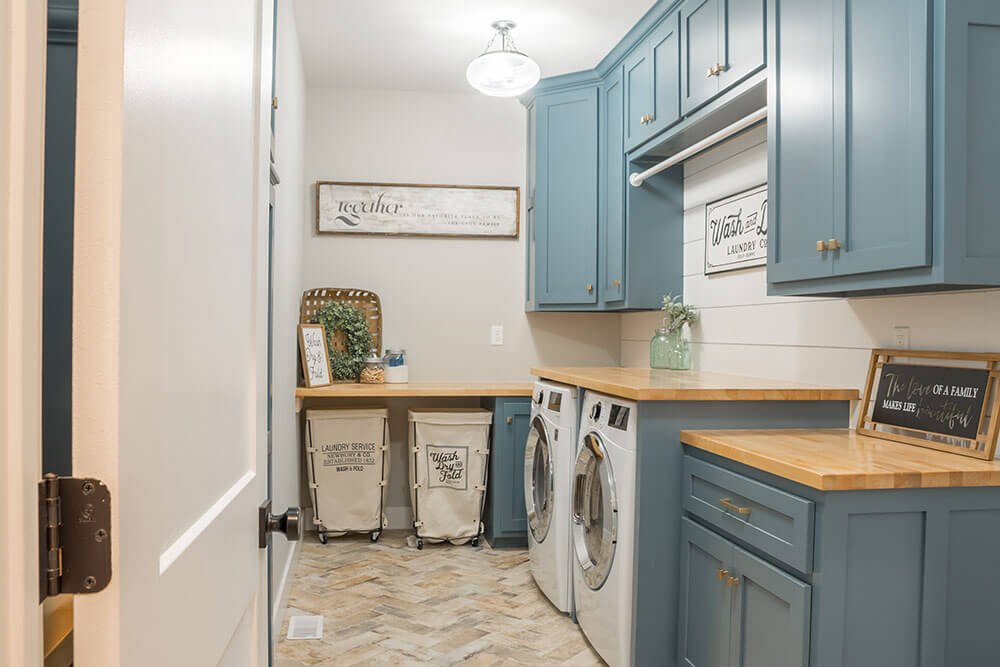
736, 231
315, 362
417, 210
938, 404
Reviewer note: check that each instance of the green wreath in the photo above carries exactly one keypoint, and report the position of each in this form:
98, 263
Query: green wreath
350, 321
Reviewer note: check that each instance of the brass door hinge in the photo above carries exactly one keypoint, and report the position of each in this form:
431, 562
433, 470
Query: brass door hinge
74, 536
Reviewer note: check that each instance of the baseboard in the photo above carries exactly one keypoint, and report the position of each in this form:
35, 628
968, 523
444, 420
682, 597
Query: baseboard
400, 518
284, 587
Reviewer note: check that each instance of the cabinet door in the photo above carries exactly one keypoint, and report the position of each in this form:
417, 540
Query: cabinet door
881, 105
665, 56
638, 96
612, 223
566, 198
514, 426
742, 47
771, 611
800, 138
532, 155
705, 611
699, 52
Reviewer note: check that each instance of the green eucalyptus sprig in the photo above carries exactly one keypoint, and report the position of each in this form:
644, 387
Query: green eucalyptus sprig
678, 313
350, 321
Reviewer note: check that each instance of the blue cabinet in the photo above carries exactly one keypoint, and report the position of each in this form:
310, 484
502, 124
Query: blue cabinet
652, 83
505, 516
564, 229
877, 177
611, 223
706, 601
639, 97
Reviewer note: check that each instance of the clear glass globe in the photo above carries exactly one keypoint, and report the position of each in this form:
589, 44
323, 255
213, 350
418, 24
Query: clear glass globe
503, 73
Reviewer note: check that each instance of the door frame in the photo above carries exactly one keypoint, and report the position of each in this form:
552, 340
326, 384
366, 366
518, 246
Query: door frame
22, 117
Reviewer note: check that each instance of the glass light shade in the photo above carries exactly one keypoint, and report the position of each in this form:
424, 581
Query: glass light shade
503, 73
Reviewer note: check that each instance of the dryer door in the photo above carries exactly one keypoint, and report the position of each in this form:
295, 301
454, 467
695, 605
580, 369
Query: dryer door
595, 511
538, 481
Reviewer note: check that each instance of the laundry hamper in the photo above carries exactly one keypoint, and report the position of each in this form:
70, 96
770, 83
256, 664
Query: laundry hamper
347, 460
449, 452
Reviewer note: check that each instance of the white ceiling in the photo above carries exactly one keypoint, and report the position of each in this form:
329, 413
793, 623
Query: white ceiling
427, 44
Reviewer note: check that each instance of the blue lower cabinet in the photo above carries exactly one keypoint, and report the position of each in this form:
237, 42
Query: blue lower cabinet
706, 601
505, 516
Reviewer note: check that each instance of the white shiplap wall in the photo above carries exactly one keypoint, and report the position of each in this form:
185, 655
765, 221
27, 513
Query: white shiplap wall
816, 340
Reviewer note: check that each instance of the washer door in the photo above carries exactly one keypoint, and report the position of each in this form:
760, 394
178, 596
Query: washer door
538, 480
595, 511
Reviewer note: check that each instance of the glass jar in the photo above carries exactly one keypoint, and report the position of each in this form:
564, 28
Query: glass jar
668, 349
373, 372
396, 370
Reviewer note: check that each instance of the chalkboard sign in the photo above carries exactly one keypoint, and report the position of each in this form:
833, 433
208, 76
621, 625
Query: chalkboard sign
315, 362
937, 399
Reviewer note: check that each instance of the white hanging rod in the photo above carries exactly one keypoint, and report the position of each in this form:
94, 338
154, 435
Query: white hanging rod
726, 132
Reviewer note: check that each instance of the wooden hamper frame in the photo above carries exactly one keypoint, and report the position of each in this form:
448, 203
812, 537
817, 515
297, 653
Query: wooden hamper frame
982, 447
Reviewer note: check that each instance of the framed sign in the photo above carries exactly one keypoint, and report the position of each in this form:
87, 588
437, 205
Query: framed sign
403, 209
942, 406
315, 362
736, 231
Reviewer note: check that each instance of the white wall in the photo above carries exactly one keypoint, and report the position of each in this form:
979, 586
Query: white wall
824, 341
290, 215
440, 296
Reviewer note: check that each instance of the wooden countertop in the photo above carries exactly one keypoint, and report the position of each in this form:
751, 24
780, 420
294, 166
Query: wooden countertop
413, 389
646, 384
843, 460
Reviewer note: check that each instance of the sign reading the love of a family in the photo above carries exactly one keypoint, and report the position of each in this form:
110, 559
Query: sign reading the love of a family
417, 210
937, 399
736, 231
447, 467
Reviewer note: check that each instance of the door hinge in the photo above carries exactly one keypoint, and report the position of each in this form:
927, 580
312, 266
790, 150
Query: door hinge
74, 536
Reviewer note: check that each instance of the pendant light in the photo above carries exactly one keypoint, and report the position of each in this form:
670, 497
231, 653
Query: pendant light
504, 71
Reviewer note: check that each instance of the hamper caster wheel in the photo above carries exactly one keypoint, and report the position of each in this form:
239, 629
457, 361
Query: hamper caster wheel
474, 541
322, 538
375, 536
420, 543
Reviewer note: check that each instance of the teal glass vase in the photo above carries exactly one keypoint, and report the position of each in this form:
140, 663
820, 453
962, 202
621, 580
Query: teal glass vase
669, 350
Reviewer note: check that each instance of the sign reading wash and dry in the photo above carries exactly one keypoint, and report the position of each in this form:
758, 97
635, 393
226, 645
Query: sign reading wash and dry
417, 210
736, 231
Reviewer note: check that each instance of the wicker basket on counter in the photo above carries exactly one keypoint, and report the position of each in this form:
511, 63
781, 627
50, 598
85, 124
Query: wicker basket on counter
367, 302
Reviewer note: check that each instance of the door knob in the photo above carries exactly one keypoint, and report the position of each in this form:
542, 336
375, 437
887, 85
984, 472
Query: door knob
711, 72
721, 574
590, 287
617, 283
732, 581
834, 244
820, 246
287, 523
510, 420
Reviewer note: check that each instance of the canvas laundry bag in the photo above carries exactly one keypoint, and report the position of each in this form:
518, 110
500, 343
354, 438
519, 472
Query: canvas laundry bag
449, 452
347, 460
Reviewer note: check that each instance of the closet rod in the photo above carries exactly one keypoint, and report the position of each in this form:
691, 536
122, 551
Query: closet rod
726, 132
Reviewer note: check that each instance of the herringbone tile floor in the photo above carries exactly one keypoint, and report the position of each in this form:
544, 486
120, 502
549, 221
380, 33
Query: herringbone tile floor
388, 604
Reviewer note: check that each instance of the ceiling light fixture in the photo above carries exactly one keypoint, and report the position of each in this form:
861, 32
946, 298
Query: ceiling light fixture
504, 71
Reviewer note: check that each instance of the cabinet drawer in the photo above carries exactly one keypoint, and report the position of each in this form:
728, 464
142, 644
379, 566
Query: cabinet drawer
778, 523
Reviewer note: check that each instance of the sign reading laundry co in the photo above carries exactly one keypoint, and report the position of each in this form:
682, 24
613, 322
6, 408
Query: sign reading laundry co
417, 210
736, 231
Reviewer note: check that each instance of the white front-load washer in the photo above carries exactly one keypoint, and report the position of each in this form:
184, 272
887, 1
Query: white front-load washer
548, 467
602, 525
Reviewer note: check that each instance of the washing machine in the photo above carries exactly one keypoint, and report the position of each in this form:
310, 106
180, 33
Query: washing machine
548, 467
603, 518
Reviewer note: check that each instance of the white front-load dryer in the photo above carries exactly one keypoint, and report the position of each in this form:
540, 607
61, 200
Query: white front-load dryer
548, 465
602, 525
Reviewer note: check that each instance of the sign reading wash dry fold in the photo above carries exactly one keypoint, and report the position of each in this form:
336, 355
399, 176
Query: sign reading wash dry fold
406, 209
736, 231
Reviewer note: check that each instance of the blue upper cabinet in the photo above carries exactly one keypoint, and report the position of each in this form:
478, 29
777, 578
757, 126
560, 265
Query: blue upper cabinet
611, 222
722, 43
881, 177
565, 201
652, 83
639, 100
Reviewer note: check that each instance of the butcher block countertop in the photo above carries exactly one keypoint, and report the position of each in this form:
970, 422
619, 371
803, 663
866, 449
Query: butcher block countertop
646, 384
843, 460
413, 389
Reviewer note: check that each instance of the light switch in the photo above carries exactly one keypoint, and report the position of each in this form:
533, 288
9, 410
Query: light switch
902, 338
496, 334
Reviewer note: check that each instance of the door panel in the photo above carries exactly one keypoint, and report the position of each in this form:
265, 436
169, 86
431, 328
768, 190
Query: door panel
613, 190
800, 139
566, 198
883, 143
770, 616
519, 412
595, 512
665, 45
705, 599
743, 45
538, 480
638, 96
699, 52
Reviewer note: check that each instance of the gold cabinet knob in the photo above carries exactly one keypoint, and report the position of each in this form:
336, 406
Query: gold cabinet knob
274, 102
617, 283
834, 244
650, 118
642, 119
590, 287
732, 581
820, 246
721, 574
510, 420
711, 72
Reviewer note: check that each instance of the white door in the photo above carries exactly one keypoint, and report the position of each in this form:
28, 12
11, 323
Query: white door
170, 325
22, 95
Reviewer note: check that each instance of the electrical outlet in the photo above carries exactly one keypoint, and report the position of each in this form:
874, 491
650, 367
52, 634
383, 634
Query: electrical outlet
901, 337
496, 334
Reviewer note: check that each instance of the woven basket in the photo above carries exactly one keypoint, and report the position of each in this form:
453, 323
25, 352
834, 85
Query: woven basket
367, 302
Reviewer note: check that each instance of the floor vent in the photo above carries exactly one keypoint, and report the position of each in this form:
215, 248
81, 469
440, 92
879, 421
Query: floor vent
305, 627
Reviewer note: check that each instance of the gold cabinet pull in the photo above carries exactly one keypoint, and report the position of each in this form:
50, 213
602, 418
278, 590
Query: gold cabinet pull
650, 117
721, 574
711, 72
820, 246
274, 102
834, 244
730, 505
732, 582
617, 283
510, 420
590, 287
